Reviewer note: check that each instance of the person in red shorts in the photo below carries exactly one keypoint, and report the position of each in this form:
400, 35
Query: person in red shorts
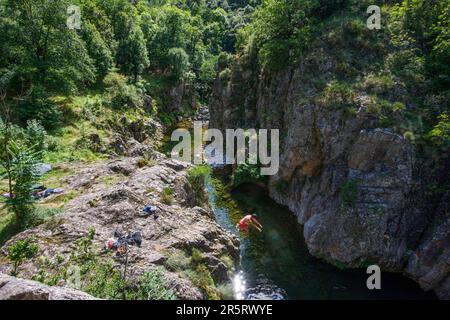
249, 221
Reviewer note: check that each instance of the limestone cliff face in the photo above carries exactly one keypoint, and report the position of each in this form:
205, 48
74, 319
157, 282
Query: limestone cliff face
348, 181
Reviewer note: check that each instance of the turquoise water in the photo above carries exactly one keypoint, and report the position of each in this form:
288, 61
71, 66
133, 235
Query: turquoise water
275, 264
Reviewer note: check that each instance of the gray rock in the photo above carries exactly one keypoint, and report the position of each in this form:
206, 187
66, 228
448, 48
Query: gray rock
124, 167
429, 264
119, 207
12, 288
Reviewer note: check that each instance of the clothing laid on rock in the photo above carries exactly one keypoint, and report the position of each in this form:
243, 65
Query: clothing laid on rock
46, 193
122, 242
39, 192
149, 209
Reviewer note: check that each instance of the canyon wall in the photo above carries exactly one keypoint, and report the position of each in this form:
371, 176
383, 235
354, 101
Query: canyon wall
350, 182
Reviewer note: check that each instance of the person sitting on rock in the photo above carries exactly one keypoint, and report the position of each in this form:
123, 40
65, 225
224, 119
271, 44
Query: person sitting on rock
249, 221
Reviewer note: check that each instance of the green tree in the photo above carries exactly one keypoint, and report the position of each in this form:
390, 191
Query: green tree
132, 53
18, 164
98, 50
282, 30
41, 48
22, 171
169, 27
38, 105
179, 62
20, 251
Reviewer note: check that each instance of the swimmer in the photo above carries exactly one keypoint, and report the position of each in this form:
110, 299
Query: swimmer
249, 221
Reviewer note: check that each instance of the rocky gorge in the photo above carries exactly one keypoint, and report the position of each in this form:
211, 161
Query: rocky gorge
351, 183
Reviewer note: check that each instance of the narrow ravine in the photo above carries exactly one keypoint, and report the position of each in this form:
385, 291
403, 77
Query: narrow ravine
276, 264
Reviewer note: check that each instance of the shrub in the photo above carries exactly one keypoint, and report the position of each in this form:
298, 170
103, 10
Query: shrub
20, 251
379, 84
228, 261
167, 196
145, 162
103, 281
153, 286
169, 119
224, 60
247, 173
338, 95
178, 261
201, 277
42, 215
92, 109
440, 134
36, 136
120, 94
226, 291
225, 75
197, 256
196, 178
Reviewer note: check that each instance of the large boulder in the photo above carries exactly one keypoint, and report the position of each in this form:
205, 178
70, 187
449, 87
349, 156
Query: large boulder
12, 288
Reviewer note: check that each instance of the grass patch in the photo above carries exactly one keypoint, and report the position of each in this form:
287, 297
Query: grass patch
201, 278
8, 227
178, 261
167, 196
53, 177
42, 215
111, 180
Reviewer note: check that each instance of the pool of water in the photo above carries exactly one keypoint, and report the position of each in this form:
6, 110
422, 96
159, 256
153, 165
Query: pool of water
275, 264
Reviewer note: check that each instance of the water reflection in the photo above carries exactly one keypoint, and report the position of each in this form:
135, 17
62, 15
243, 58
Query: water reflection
239, 286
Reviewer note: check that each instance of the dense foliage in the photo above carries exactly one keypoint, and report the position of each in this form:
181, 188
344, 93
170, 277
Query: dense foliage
137, 37
64, 91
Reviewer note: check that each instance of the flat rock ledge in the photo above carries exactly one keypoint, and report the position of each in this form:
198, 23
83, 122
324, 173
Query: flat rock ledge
12, 288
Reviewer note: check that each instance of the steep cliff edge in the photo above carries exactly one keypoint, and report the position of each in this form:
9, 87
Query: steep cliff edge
351, 180
112, 197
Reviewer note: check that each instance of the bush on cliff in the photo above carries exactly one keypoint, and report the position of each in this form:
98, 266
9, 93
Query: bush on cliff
196, 178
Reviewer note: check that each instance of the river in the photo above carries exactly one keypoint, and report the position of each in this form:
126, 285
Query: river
275, 264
